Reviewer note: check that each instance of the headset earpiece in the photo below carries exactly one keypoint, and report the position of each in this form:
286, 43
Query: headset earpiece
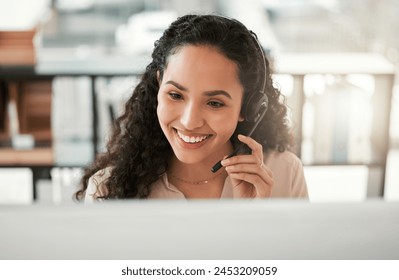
255, 106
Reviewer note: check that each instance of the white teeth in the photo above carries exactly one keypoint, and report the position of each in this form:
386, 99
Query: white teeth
191, 139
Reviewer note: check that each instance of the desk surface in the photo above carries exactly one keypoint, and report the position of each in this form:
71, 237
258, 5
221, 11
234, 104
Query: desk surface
201, 230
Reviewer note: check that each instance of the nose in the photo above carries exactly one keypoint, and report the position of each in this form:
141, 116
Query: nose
192, 116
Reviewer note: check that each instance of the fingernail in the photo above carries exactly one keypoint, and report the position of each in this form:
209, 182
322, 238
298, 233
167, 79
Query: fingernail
229, 168
225, 161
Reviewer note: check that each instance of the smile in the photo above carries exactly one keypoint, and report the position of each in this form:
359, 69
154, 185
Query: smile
192, 139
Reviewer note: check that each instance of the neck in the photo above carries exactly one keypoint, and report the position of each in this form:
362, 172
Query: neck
196, 180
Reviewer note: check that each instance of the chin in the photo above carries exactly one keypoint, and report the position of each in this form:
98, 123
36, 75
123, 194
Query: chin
190, 157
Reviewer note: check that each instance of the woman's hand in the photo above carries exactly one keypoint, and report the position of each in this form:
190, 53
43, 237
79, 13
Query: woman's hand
249, 176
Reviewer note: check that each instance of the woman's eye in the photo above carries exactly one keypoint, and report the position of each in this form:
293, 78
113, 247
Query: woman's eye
175, 96
215, 104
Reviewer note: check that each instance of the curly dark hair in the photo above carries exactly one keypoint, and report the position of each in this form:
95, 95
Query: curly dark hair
138, 151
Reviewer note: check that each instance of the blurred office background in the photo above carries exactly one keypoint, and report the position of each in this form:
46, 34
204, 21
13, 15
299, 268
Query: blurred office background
64, 80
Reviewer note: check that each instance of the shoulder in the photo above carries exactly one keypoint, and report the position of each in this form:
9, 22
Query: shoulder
282, 159
101, 175
95, 186
288, 174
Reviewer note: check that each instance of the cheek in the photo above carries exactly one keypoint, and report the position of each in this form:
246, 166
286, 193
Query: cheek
161, 113
164, 112
224, 124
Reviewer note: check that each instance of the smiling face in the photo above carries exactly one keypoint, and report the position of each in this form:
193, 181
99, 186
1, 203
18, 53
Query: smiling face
199, 102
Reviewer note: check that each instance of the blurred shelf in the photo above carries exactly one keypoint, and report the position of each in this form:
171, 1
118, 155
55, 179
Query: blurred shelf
33, 157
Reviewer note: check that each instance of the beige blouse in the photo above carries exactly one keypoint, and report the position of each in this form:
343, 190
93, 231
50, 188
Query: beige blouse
288, 176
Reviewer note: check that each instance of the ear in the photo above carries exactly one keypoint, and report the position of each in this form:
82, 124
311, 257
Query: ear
241, 118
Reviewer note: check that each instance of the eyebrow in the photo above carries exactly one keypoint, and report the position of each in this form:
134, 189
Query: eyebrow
179, 86
218, 92
207, 93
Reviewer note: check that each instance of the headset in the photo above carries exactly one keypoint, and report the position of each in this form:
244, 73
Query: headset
255, 108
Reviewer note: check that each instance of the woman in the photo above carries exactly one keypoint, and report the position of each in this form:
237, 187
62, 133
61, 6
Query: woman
189, 111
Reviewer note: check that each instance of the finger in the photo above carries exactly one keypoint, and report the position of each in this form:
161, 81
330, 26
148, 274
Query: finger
261, 171
268, 170
263, 189
252, 144
240, 159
